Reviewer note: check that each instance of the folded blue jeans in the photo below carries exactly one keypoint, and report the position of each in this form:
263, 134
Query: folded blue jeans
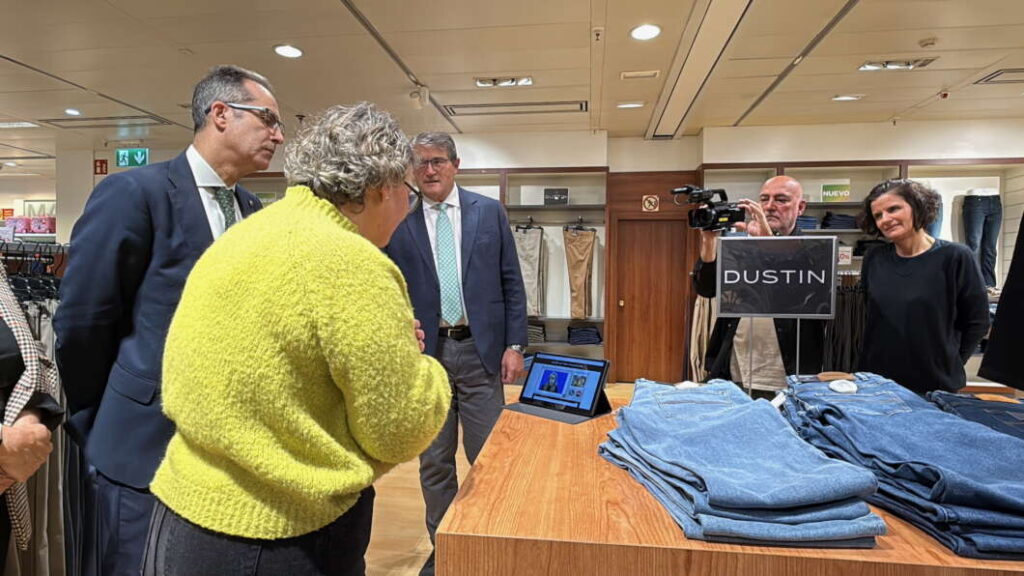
730, 469
942, 457
958, 480
1000, 416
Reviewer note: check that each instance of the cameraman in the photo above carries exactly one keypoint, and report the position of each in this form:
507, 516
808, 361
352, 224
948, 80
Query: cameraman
774, 340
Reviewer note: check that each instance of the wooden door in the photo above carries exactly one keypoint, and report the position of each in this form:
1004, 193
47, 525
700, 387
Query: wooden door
649, 295
651, 300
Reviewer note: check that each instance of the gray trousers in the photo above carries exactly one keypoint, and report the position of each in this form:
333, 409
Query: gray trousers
477, 401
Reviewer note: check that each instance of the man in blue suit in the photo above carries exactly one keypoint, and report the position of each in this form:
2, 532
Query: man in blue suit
459, 259
133, 247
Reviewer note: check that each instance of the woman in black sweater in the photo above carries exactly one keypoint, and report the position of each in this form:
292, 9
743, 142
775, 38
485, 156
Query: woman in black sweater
926, 304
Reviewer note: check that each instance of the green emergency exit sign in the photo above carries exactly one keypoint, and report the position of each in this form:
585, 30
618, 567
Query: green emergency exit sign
131, 157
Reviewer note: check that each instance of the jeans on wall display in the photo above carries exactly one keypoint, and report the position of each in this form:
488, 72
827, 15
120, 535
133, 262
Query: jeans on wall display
530, 249
957, 480
935, 228
579, 257
730, 469
983, 216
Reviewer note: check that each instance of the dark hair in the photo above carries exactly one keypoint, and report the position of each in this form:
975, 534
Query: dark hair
924, 203
226, 84
440, 140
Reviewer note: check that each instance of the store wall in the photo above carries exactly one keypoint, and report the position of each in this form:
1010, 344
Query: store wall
874, 141
1013, 208
533, 149
639, 155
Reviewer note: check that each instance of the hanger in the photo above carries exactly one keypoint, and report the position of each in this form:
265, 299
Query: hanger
528, 226
578, 226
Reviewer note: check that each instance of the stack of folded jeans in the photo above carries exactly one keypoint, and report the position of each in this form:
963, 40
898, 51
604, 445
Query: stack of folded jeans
536, 333
729, 469
836, 221
957, 480
807, 222
1004, 417
582, 335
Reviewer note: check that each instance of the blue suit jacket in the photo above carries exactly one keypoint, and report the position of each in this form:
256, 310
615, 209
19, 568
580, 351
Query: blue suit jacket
492, 283
131, 250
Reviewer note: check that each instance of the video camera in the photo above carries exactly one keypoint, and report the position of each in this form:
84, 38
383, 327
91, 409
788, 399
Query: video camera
709, 215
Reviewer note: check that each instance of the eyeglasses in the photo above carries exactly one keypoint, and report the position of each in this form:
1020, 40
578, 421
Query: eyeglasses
435, 163
415, 197
266, 115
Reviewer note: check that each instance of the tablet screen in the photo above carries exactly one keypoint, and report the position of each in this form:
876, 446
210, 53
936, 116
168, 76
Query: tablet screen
564, 383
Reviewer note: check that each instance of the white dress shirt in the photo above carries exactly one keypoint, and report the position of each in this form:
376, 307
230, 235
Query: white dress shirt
207, 181
454, 210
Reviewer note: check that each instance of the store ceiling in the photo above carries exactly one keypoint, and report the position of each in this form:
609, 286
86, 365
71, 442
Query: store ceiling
140, 58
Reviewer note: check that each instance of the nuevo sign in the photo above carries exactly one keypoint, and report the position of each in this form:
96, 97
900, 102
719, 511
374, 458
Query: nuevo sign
779, 277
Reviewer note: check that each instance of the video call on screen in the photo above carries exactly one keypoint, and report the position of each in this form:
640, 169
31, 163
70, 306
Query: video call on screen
571, 383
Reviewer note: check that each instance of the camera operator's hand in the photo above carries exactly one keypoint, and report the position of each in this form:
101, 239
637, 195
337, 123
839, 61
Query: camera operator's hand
758, 223
708, 245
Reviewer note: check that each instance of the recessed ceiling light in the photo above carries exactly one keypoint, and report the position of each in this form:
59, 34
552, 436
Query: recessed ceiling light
12, 164
899, 65
798, 60
871, 66
847, 97
504, 81
628, 105
287, 50
645, 32
72, 112
11, 125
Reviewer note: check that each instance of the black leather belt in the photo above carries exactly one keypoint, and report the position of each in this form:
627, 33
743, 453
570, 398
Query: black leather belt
456, 332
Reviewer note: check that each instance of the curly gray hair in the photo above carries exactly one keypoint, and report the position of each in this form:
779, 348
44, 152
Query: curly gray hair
346, 150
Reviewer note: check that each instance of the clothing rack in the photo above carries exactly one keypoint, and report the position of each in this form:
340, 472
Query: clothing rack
33, 257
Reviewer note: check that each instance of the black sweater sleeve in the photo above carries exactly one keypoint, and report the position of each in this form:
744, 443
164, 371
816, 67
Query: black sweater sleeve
972, 318
704, 278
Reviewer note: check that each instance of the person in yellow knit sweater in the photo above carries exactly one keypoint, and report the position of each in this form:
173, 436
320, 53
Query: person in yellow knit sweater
294, 371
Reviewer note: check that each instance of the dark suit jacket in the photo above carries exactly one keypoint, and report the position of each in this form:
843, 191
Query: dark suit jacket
131, 250
492, 283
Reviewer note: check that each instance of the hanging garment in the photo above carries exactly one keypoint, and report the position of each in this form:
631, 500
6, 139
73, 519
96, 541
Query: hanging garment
983, 216
530, 249
579, 257
700, 332
1002, 362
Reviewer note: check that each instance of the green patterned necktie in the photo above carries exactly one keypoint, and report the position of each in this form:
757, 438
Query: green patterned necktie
226, 200
448, 269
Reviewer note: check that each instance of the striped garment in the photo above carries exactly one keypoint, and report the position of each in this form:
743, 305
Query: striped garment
40, 375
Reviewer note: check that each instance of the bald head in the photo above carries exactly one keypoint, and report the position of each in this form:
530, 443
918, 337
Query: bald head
782, 199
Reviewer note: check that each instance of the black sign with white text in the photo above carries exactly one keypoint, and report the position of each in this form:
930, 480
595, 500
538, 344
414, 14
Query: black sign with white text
779, 277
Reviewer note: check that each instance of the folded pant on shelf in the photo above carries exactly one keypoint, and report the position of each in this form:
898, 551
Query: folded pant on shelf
958, 480
999, 416
839, 221
729, 469
806, 222
581, 335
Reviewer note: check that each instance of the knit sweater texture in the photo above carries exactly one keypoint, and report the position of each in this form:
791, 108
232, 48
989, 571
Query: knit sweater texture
292, 374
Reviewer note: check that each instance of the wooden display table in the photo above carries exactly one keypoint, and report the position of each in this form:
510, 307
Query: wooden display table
540, 501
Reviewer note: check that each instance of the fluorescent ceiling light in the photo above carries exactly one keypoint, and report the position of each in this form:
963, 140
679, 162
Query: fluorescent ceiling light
899, 65
504, 81
639, 74
287, 51
12, 174
645, 32
628, 105
10, 163
847, 97
72, 112
871, 66
11, 125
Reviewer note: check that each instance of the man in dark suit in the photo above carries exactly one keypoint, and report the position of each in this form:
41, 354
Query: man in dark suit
133, 247
459, 260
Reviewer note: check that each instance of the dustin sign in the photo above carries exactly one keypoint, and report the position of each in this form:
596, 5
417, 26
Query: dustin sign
787, 277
